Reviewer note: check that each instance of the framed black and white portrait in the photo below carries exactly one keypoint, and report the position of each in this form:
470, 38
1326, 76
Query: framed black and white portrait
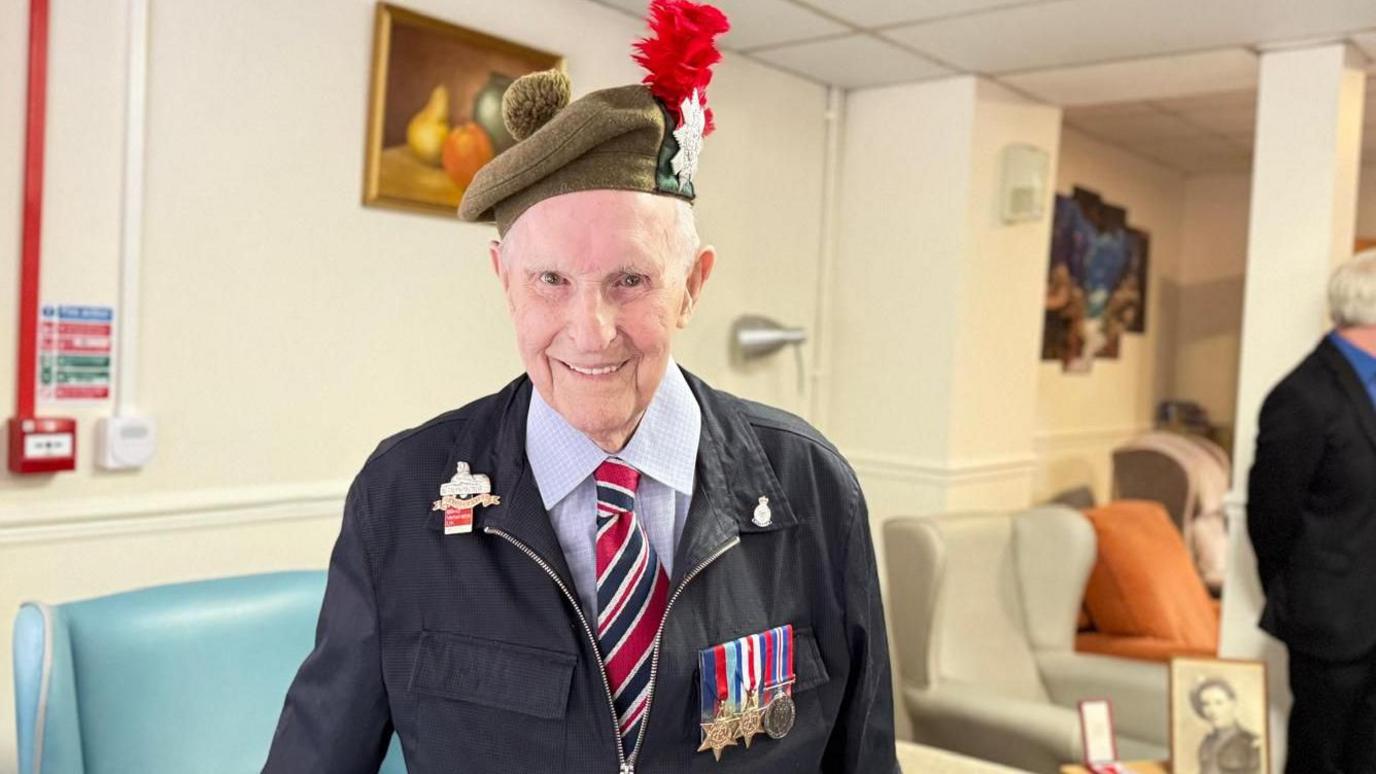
1218, 717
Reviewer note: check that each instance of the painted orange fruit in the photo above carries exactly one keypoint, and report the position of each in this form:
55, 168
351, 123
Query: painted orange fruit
466, 149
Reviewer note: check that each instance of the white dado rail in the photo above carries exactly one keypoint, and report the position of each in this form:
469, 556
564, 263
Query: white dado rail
1087, 437
911, 470
134, 514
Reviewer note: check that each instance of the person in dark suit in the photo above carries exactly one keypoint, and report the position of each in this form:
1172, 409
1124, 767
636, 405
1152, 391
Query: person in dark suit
1311, 515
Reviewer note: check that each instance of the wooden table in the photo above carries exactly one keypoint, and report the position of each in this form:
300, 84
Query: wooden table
1138, 767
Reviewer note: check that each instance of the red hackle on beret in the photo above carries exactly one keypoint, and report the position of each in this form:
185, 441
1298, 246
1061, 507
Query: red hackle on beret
680, 53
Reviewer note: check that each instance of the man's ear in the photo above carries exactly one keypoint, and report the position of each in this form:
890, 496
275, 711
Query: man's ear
494, 251
697, 277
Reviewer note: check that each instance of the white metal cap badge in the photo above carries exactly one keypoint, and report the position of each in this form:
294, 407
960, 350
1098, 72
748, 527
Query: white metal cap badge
763, 516
464, 492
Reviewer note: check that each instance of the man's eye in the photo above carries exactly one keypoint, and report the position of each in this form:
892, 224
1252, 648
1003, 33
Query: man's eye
551, 278
632, 281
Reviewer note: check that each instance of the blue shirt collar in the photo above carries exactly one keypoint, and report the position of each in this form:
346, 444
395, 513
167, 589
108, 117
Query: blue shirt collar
664, 446
1363, 362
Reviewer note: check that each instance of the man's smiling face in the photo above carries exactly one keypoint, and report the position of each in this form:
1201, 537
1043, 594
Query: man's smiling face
597, 283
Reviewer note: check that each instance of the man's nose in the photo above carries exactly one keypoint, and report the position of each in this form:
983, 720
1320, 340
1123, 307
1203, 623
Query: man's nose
593, 323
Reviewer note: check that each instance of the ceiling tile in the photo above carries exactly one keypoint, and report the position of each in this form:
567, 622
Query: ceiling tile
1245, 140
1192, 155
1366, 41
875, 13
1227, 100
1231, 164
757, 23
637, 7
1226, 121
1072, 32
853, 61
1110, 109
1154, 78
1133, 128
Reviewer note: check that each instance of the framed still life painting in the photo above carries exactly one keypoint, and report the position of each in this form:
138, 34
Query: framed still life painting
435, 116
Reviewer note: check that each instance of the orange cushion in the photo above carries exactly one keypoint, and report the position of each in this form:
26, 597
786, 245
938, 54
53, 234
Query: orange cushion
1140, 648
1143, 583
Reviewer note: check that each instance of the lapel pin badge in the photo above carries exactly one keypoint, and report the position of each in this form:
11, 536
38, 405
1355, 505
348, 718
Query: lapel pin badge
763, 516
464, 492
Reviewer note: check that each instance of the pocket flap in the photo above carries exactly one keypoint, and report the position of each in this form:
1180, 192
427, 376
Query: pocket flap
809, 669
532, 681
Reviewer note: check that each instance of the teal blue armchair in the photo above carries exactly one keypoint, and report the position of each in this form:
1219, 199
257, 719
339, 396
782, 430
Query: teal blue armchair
181, 679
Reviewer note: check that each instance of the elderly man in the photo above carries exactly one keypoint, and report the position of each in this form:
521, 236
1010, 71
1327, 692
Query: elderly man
1311, 512
608, 566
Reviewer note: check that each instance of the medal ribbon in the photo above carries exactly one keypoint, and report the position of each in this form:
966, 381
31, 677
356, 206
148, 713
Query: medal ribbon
779, 655
733, 668
707, 668
719, 656
752, 660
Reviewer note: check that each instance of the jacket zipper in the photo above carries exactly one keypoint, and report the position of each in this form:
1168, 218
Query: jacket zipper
625, 767
629, 768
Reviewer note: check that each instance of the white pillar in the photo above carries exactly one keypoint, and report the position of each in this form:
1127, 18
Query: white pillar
1303, 212
932, 396
937, 305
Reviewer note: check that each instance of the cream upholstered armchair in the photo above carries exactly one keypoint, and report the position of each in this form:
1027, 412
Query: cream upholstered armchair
983, 611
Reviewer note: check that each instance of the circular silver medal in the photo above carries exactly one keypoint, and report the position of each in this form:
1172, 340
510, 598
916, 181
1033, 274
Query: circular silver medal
779, 716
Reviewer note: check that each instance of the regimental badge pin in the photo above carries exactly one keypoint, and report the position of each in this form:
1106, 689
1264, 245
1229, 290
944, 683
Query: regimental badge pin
763, 516
464, 492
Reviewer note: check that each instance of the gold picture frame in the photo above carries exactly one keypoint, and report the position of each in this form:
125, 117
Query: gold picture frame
434, 114
1219, 709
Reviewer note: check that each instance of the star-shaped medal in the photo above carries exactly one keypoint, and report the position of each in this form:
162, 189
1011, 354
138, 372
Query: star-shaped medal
751, 720
720, 733
689, 137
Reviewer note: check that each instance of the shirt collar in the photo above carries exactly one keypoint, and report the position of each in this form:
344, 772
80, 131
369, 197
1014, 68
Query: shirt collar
664, 446
1363, 362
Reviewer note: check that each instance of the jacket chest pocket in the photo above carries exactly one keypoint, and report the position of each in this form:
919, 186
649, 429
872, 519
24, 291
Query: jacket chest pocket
484, 705
801, 749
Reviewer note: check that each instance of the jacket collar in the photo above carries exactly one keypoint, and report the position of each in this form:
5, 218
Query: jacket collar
732, 474
1351, 386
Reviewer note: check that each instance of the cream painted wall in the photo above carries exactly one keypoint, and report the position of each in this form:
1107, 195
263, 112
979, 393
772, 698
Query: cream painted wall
890, 389
1366, 195
1081, 417
1208, 290
1000, 288
941, 301
937, 303
287, 329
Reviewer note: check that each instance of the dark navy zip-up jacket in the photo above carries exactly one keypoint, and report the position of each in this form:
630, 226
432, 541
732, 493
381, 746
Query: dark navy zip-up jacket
472, 647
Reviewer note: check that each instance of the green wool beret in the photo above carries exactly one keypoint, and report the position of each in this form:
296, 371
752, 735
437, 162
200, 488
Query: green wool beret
620, 138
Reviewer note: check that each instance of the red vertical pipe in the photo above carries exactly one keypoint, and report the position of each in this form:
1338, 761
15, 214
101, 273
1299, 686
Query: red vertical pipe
33, 207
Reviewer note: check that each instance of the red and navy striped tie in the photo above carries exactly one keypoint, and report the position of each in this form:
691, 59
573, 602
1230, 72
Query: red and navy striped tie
632, 591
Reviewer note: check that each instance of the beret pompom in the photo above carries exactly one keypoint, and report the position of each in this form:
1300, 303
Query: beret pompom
532, 100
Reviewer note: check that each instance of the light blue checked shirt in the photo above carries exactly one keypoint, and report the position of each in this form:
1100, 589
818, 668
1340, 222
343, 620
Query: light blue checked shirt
664, 449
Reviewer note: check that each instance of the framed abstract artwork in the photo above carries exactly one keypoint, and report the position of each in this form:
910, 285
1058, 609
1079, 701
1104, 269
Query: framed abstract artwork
1097, 281
435, 116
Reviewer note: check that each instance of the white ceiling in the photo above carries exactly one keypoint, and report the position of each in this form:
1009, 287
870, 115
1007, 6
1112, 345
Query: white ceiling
1182, 72
1195, 135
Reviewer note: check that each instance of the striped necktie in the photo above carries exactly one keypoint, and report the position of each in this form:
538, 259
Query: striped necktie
632, 591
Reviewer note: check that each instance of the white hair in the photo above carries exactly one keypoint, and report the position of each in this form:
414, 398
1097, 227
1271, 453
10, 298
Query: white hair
1352, 292
681, 240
